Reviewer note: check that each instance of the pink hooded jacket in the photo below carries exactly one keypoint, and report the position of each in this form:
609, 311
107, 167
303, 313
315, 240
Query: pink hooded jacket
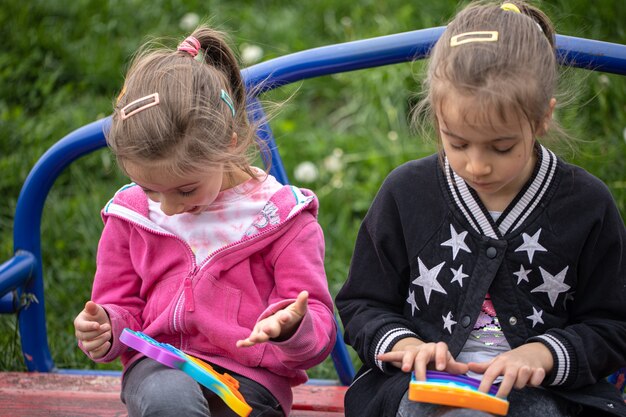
147, 279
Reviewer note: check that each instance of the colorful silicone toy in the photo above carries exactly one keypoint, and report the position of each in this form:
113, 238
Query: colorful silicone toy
457, 391
224, 385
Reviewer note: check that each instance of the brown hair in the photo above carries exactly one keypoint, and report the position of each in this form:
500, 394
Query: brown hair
518, 71
192, 126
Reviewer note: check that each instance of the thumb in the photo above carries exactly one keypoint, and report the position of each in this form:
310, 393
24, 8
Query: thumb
94, 310
301, 304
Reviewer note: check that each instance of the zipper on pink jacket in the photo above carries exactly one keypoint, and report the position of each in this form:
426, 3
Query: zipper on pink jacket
186, 298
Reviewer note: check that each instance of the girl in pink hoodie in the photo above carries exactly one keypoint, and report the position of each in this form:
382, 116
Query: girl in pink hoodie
202, 250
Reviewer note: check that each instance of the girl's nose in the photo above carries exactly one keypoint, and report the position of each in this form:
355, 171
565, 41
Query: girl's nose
170, 206
477, 165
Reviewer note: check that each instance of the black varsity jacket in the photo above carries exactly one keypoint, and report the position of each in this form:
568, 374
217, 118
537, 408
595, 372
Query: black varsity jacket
428, 252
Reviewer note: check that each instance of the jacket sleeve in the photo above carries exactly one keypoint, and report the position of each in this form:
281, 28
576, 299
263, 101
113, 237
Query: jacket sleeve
593, 345
372, 300
116, 285
299, 266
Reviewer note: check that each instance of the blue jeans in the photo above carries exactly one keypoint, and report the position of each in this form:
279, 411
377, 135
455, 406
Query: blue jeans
528, 402
152, 389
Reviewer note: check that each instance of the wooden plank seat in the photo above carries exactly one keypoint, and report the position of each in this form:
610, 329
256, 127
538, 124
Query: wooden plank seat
34, 394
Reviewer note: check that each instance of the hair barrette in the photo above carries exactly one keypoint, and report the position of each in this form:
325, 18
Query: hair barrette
478, 36
510, 7
139, 105
191, 45
229, 101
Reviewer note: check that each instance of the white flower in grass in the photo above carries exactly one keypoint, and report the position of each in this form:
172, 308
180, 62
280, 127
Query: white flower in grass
306, 172
333, 162
251, 54
392, 135
604, 80
189, 21
624, 134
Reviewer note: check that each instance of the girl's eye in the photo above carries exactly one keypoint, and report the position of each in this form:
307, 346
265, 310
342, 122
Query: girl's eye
507, 150
458, 146
186, 193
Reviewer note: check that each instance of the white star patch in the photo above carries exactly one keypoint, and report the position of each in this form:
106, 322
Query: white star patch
531, 245
458, 275
448, 322
522, 274
428, 279
536, 316
411, 300
553, 285
456, 242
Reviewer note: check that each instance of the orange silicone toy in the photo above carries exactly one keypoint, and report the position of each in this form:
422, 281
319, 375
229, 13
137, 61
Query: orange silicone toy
456, 395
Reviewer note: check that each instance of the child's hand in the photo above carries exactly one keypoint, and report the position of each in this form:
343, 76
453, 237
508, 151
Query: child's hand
93, 330
280, 325
522, 366
411, 354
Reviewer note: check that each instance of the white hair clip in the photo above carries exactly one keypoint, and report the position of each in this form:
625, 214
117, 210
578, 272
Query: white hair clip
139, 105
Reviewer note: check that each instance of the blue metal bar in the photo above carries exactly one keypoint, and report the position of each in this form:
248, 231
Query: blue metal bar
268, 144
16, 271
349, 56
408, 46
8, 303
27, 235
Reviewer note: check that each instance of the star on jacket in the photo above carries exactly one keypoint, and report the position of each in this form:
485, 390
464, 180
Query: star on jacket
428, 279
552, 284
531, 245
456, 242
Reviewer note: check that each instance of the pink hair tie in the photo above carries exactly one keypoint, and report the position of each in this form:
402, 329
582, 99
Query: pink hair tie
190, 45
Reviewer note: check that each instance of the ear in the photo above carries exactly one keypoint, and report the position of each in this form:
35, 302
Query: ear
233, 140
545, 123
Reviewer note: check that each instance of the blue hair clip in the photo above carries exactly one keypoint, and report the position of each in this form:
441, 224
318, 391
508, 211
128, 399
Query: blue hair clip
229, 102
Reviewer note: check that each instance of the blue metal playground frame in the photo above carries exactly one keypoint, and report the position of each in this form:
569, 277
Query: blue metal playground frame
21, 277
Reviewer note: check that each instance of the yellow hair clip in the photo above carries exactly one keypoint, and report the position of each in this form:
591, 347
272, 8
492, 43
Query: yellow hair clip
478, 36
510, 7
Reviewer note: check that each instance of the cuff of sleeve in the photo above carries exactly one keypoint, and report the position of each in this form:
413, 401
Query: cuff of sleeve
384, 340
564, 370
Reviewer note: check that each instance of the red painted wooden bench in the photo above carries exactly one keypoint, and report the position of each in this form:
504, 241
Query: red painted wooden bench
48, 391
34, 394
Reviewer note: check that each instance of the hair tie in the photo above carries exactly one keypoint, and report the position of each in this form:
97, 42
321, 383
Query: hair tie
510, 7
190, 45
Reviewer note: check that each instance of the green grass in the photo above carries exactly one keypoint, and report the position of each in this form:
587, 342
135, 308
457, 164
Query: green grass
62, 65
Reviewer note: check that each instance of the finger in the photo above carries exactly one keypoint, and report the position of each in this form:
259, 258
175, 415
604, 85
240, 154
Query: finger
455, 367
300, 307
86, 331
245, 343
523, 376
507, 384
441, 356
408, 361
422, 359
92, 344
537, 377
92, 308
489, 376
100, 351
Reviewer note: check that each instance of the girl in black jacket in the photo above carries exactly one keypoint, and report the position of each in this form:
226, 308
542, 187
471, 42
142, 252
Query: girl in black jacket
493, 258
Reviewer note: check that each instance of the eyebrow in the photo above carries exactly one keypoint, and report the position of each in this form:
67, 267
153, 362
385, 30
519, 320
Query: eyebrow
500, 138
195, 184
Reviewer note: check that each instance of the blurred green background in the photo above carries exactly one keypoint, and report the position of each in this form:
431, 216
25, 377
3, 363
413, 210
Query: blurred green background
62, 63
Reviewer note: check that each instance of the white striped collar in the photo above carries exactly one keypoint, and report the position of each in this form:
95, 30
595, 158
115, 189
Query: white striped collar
467, 201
